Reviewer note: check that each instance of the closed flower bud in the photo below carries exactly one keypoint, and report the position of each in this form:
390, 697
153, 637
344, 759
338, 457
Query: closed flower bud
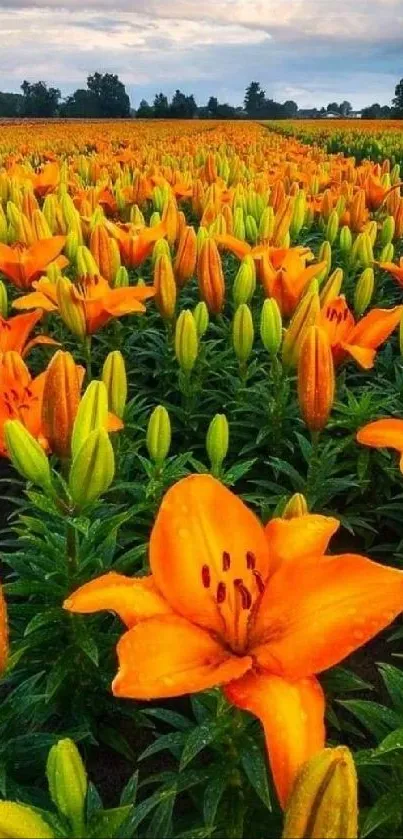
155, 219
26, 455
165, 287
245, 282
86, 265
251, 231
201, 316
332, 227
299, 213
217, 442
71, 308
201, 237
323, 802
387, 253
363, 291
239, 224
372, 231
93, 468
296, 506
266, 225
92, 414
365, 253
61, 398
271, 331
3, 300
345, 240
19, 822
306, 315
122, 277
67, 780
315, 378
40, 226
325, 255
331, 289
159, 435
282, 223
161, 248
170, 217
72, 245
186, 341
136, 216
395, 174
105, 251
388, 231
210, 276
115, 380
185, 260
242, 333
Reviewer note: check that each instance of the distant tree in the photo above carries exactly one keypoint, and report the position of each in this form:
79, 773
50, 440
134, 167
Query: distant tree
144, 110
345, 108
39, 100
254, 102
81, 103
110, 93
226, 111
398, 100
372, 112
11, 104
333, 108
290, 109
212, 107
182, 106
160, 106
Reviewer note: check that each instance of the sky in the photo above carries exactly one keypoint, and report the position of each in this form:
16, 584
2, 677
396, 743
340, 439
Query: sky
312, 51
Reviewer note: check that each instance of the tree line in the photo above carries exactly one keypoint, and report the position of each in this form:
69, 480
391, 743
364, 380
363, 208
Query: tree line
105, 97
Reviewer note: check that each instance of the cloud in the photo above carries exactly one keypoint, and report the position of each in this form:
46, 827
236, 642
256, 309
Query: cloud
317, 49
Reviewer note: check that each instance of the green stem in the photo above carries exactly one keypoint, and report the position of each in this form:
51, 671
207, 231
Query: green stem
88, 357
71, 550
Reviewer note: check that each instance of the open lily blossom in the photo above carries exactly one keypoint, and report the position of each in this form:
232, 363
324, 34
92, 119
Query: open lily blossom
258, 610
15, 332
357, 340
136, 247
25, 265
20, 397
383, 434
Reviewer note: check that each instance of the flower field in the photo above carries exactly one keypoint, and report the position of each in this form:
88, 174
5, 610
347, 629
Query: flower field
201, 440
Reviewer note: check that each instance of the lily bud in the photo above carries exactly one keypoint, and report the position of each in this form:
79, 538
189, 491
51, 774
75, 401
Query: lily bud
388, 231
19, 821
186, 257
387, 253
61, 398
170, 217
161, 248
186, 341
86, 265
299, 215
105, 251
271, 327
316, 381
242, 333
296, 506
67, 780
363, 291
210, 276
345, 240
165, 287
72, 245
93, 468
40, 226
245, 282
26, 455
332, 287
239, 224
323, 802
159, 435
92, 414
332, 227
3, 300
372, 231
155, 219
251, 231
306, 314
115, 380
201, 316
325, 255
71, 308
365, 253
201, 238
122, 277
217, 442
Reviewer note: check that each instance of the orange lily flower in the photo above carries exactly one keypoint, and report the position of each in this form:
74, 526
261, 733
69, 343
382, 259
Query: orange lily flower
395, 270
94, 299
240, 248
287, 282
136, 248
46, 181
376, 193
383, 434
14, 333
358, 340
24, 265
257, 610
20, 397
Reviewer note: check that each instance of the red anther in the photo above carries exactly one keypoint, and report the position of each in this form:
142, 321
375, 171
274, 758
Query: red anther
221, 592
206, 579
246, 597
226, 561
250, 560
259, 581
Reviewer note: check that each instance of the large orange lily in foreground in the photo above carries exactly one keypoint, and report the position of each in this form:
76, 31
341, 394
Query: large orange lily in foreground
383, 434
14, 333
93, 300
24, 265
358, 340
257, 610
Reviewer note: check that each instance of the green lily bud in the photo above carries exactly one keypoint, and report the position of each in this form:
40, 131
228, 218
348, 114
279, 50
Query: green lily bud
155, 219
388, 231
271, 327
93, 468
325, 255
245, 282
332, 287
296, 506
251, 231
332, 227
17, 821
161, 248
387, 253
242, 333
3, 300
159, 435
122, 277
72, 245
26, 455
217, 442
345, 240
115, 380
202, 318
186, 341
363, 291
92, 414
306, 314
67, 781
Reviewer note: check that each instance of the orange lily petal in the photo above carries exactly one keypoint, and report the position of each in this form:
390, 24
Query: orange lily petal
236, 246
114, 423
203, 540
309, 622
292, 714
40, 340
132, 599
362, 355
169, 656
384, 433
14, 332
35, 300
42, 253
373, 329
124, 301
290, 540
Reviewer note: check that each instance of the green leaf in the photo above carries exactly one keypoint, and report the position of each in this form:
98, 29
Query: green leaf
393, 679
386, 809
212, 796
255, 768
196, 741
376, 718
108, 822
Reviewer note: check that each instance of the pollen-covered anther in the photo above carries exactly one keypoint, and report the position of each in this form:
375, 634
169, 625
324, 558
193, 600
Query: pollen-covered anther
250, 561
221, 592
226, 561
206, 577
